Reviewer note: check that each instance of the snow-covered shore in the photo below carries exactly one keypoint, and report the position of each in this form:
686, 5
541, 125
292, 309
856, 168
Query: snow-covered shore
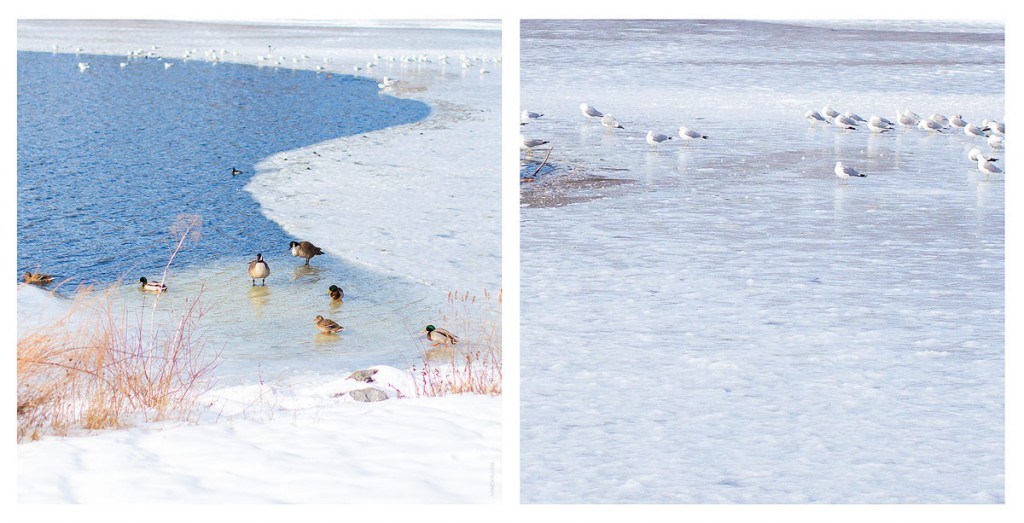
421, 201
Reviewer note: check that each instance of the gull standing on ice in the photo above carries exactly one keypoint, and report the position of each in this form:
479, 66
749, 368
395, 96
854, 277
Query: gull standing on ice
610, 122
854, 116
690, 134
878, 124
987, 167
976, 153
957, 121
907, 118
845, 121
814, 117
939, 119
654, 138
973, 130
529, 115
996, 127
829, 113
527, 144
590, 112
844, 173
995, 141
930, 125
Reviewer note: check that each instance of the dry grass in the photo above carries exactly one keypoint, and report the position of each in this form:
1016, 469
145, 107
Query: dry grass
95, 367
474, 364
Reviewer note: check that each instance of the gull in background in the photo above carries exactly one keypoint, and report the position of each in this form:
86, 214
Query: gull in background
976, 153
590, 112
995, 141
929, 125
877, 124
610, 122
813, 117
690, 134
907, 118
654, 138
528, 115
527, 144
939, 119
844, 173
854, 116
987, 167
996, 127
974, 131
845, 121
957, 120
829, 113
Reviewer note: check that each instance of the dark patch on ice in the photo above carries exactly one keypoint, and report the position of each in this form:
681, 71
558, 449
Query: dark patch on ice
559, 187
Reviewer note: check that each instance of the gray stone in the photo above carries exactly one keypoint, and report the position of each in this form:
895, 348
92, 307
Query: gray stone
368, 394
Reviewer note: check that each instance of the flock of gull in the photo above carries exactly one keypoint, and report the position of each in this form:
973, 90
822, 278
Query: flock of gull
992, 131
324, 65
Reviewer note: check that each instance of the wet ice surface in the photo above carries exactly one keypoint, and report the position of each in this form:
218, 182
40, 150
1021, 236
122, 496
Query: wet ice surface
731, 325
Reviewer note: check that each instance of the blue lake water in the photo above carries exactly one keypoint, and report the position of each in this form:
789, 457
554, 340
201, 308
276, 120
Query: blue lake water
110, 157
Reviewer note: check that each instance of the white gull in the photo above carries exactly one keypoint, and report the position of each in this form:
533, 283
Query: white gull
844, 173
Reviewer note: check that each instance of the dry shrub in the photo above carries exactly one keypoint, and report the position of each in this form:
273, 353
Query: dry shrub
95, 368
474, 364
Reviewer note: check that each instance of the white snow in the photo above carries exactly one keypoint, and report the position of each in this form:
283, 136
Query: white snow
433, 216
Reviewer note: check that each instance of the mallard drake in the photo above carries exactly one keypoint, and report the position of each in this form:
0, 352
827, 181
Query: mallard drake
304, 250
258, 269
335, 292
439, 336
327, 326
153, 286
37, 278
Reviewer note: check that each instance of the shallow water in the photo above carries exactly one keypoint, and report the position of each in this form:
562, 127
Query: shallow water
110, 157
729, 324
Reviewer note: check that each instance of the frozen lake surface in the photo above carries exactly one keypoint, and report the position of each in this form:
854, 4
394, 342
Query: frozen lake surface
721, 321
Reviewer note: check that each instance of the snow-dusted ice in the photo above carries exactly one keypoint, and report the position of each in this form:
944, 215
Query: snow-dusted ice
726, 324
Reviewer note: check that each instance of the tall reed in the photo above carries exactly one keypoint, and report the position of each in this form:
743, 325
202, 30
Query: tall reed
474, 364
96, 367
